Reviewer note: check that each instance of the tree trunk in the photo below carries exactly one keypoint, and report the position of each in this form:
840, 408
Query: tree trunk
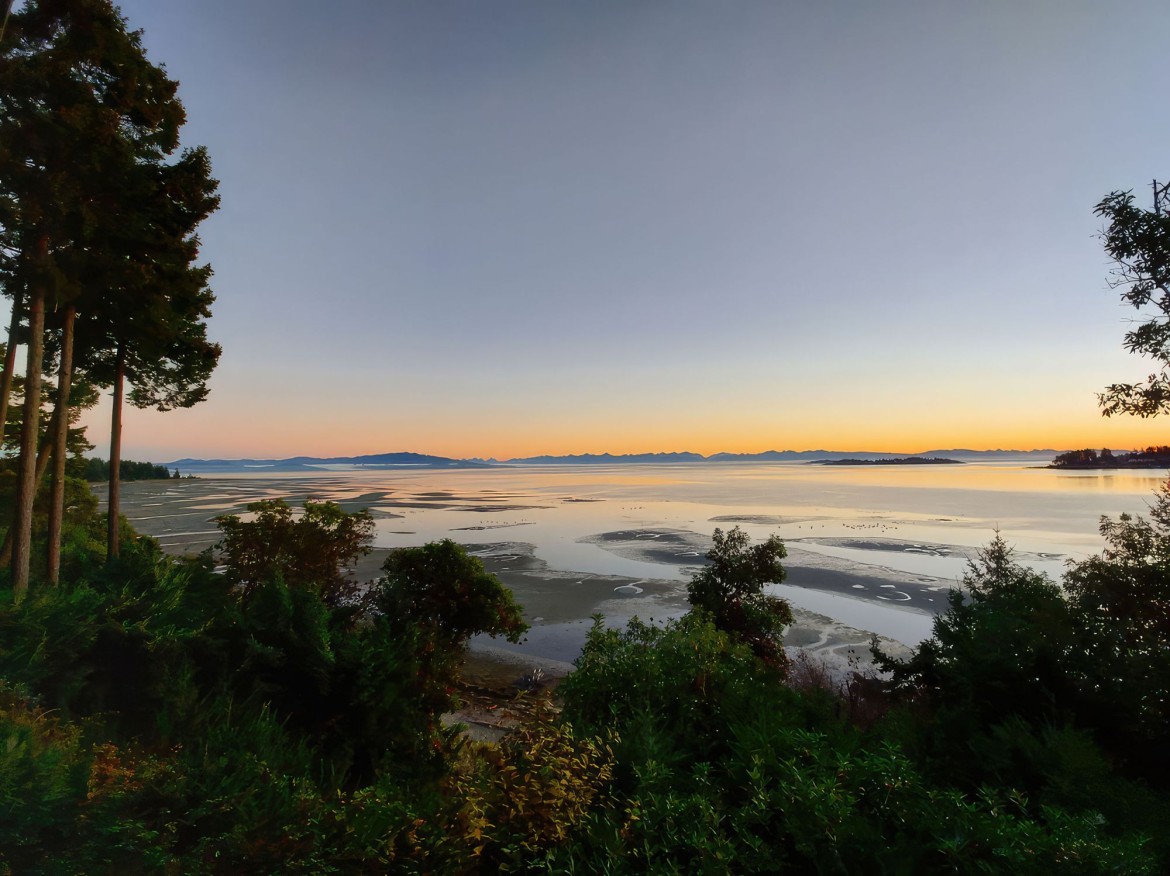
27, 485
58, 437
43, 455
115, 502
9, 363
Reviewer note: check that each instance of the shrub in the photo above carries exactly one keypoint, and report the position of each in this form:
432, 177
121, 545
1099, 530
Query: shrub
43, 770
1002, 648
730, 589
433, 599
312, 550
719, 769
525, 797
1121, 601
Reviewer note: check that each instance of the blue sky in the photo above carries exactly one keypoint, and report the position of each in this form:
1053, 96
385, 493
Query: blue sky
507, 228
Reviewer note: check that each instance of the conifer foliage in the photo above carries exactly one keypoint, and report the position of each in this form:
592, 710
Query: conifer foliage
97, 231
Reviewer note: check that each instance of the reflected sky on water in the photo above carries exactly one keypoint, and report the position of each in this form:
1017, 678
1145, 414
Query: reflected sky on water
918, 524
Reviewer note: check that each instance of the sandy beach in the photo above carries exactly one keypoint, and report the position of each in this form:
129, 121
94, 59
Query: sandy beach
559, 603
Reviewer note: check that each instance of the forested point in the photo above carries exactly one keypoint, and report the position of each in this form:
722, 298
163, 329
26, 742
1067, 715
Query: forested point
1151, 457
98, 470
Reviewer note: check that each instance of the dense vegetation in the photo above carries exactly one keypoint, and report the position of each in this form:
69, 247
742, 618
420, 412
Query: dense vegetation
1151, 457
257, 710
98, 470
161, 717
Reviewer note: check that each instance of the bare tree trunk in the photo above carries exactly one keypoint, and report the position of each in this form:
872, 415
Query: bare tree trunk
9, 363
59, 436
27, 486
116, 457
43, 456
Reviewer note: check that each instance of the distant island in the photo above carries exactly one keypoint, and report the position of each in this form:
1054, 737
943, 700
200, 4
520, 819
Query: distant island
901, 460
1151, 457
406, 460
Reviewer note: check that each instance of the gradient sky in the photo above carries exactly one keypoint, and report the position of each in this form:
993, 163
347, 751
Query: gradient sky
506, 228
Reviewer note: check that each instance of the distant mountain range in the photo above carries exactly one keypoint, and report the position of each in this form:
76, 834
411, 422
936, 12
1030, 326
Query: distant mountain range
773, 456
317, 463
425, 461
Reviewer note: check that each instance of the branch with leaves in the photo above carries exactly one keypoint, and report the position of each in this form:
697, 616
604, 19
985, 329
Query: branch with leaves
1138, 241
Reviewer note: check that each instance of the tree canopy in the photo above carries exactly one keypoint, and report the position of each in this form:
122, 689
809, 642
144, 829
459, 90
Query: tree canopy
97, 231
731, 591
1138, 241
313, 549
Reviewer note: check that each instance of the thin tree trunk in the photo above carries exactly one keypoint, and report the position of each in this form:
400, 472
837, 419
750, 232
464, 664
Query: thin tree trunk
44, 454
27, 486
9, 363
116, 457
59, 436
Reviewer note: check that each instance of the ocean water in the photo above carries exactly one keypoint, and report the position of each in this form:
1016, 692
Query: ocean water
876, 547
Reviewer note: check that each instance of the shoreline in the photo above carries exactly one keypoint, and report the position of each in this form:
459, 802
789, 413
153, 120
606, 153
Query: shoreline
560, 602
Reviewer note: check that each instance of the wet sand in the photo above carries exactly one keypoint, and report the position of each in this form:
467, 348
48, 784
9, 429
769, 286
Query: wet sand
868, 547
558, 603
805, 568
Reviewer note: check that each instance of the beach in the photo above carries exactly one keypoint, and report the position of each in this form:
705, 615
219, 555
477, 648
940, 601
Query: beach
869, 552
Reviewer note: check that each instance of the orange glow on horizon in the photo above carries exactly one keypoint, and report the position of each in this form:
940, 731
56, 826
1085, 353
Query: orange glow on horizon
179, 434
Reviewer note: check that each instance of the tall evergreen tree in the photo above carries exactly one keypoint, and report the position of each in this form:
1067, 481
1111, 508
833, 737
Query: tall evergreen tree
17, 299
82, 112
153, 335
10, 359
59, 435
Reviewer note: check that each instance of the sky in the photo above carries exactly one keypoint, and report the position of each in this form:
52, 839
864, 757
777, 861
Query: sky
515, 227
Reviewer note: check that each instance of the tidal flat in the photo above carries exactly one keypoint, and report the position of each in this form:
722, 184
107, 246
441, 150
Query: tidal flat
870, 550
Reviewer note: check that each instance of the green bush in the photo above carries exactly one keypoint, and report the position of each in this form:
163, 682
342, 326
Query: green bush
1121, 601
43, 773
721, 768
170, 719
312, 550
731, 590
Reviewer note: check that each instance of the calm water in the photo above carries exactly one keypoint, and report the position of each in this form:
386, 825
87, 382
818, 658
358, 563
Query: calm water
902, 534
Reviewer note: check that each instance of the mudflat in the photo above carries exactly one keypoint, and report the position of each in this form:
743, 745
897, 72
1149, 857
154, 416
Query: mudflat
514, 532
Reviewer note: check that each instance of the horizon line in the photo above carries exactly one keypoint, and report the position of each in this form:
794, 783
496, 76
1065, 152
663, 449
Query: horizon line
701, 456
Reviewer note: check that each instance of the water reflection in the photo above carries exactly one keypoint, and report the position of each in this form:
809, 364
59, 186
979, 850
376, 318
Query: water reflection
847, 527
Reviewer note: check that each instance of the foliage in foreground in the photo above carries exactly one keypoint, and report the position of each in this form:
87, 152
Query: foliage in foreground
159, 717
1060, 692
226, 724
312, 550
720, 767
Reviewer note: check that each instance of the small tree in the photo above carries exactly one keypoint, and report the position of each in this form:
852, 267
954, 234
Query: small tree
312, 551
1000, 649
731, 588
447, 595
1121, 599
434, 598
